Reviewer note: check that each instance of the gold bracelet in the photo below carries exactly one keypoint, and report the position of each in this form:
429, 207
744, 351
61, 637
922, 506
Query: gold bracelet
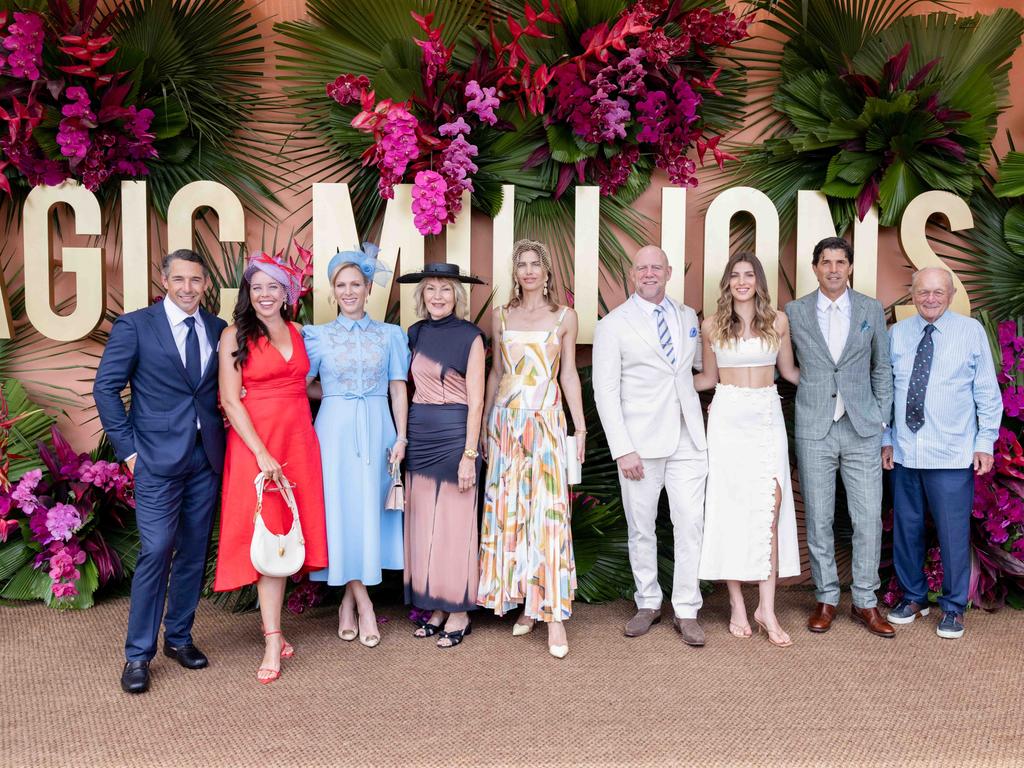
469, 453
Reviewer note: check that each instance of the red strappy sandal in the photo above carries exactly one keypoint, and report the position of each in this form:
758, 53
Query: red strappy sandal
275, 673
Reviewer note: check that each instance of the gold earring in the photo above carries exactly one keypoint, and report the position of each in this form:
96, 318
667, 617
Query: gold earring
545, 289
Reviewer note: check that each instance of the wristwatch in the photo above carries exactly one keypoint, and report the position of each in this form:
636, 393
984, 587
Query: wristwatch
469, 453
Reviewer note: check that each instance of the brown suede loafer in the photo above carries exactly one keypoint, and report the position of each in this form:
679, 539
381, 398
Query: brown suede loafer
821, 619
641, 622
691, 631
872, 619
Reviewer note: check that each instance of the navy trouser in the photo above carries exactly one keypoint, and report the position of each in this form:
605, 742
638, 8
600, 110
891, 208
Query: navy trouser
174, 516
947, 494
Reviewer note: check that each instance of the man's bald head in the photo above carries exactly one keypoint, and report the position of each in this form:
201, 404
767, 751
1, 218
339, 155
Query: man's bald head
650, 273
930, 274
932, 290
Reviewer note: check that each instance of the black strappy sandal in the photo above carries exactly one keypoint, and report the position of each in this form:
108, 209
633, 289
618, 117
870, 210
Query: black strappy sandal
429, 630
456, 637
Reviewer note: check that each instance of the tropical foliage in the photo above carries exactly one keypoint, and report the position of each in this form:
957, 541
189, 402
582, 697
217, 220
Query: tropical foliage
99, 91
990, 255
874, 107
467, 96
66, 519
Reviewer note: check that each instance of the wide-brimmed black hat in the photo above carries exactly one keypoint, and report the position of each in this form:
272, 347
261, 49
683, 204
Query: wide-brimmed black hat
440, 269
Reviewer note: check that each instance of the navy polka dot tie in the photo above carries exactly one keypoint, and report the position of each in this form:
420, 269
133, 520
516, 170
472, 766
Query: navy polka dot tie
919, 380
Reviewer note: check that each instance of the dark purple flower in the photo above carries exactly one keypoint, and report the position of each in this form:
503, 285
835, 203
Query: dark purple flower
25, 42
650, 113
631, 73
346, 88
79, 105
613, 174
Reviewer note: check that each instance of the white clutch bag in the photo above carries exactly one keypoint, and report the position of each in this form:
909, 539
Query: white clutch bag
275, 554
573, 468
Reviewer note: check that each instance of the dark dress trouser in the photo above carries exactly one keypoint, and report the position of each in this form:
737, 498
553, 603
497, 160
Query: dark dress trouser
174, 516
947, 494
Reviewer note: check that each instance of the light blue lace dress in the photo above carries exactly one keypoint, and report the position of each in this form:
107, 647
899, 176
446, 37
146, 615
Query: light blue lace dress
355, 361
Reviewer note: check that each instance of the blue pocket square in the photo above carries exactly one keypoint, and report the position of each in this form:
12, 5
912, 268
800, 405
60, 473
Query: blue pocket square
865, 326
693, 333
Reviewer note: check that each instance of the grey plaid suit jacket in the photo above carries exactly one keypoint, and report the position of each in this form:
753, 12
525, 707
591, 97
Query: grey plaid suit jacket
863, 374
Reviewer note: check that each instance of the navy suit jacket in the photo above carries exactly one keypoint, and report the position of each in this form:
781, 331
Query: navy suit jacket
160, 425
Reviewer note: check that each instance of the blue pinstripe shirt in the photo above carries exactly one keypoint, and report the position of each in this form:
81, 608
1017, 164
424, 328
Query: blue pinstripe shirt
963, 405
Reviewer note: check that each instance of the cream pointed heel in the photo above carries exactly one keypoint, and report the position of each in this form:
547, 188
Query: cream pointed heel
558, 651
519, 629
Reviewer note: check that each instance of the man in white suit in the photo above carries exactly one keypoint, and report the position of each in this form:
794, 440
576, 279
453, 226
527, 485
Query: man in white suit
645, 351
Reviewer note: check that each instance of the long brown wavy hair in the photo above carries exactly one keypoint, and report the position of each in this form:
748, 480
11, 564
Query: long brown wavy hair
519, 247
726, 325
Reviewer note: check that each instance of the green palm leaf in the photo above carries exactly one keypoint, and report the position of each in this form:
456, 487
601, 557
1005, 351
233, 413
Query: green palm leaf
599, 533
199, 65
822, 130
990, 255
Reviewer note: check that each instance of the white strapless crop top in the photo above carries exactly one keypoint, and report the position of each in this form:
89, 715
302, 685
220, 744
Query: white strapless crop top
745, 353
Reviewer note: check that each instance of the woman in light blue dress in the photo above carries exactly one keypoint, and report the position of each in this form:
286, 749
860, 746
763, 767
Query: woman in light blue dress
360, 362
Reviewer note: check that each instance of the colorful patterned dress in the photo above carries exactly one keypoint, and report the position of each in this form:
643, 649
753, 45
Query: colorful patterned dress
525, 538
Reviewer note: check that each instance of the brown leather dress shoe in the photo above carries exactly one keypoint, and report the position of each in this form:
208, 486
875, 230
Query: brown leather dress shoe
641, 623
872, 619
821, 619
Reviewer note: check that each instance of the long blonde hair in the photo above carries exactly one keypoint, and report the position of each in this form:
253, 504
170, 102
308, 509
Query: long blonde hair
726, 325
519, 247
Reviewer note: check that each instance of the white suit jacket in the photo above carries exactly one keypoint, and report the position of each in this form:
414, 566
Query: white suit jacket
640, 396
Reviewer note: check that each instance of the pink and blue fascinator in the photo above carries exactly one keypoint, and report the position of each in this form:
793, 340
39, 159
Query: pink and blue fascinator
287, 275
366, 259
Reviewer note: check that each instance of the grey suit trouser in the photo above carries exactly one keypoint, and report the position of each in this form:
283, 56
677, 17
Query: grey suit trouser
859, 460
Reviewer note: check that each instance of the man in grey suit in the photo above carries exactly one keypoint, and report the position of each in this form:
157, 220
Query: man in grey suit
844, 398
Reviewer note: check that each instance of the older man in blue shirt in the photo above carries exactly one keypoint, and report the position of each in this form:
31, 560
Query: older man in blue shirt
947, 413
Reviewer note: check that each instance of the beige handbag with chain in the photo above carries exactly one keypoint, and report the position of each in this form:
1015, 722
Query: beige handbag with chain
276, 554
396, 495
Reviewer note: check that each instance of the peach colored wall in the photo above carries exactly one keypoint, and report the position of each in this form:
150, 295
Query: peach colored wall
80, 423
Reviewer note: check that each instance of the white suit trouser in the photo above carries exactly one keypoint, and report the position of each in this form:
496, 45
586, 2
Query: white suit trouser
682, 475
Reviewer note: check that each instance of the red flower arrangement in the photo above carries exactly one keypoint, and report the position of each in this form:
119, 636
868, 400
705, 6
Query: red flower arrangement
64, 513
627, 88
64, 112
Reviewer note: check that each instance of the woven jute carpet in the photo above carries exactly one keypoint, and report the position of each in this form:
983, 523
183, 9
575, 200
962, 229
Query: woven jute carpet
844, 698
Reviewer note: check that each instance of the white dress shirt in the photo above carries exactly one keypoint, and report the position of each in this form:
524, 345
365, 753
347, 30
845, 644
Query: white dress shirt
834, 322
176, 317
670, 319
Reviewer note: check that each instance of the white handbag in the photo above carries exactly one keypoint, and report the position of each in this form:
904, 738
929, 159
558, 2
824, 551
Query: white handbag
274, 554
573, 468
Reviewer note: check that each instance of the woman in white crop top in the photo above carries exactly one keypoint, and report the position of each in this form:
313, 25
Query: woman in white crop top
749, 518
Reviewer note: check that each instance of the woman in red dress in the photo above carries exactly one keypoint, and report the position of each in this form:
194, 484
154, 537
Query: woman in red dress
263, 367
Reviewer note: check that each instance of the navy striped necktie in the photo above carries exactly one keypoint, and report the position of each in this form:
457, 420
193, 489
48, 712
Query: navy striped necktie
663, 334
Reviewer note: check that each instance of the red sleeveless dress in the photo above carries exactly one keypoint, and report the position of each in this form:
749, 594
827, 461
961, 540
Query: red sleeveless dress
275, 397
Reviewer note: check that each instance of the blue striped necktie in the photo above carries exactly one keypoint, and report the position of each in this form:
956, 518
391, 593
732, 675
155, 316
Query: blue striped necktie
663, 334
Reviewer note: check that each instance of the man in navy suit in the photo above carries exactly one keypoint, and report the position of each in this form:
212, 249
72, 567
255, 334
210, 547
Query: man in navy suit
172, 439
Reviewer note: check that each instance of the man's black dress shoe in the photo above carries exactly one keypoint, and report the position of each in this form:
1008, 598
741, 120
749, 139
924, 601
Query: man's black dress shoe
135, 677
188, 655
